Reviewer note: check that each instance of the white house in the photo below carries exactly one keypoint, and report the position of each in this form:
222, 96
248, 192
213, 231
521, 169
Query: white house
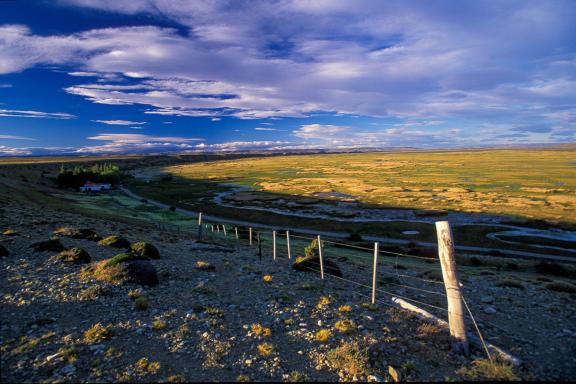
94, 187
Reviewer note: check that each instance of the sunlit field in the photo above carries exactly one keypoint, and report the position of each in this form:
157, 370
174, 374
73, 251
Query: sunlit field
539, 184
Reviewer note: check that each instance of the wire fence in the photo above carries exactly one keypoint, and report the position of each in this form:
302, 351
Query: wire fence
395, 275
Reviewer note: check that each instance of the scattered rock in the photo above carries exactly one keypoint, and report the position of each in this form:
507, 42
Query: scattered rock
115, 241
145, 249
73, 255
52, 245
490, 310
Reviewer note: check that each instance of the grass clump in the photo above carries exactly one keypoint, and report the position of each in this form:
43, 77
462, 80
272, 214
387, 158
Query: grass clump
203, 289
259, 330
69, 354
351, 359
265, 349
345, 326
560, 286
323, 335
307, 287
267, 278
243, 379
158, 324
344, 308
509, 283
141, 303
323, 301
10, 232
73, 255
175, 379
115, 242
484, 369
123, 257
295, 377
145, 249
91, 293
202, 265
98, 333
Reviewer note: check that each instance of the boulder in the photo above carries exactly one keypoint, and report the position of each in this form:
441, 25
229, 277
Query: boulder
74, 255
145, 249
115, 241
3, 251
52, 245
141, 272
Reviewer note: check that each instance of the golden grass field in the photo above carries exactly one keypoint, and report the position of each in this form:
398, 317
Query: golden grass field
538, 183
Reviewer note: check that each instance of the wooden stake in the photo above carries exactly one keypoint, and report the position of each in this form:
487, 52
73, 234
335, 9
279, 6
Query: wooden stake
224, 228
218, 227
274, 245
236, 232
374, 273
320, 256
250, 234
288, 242
450, 276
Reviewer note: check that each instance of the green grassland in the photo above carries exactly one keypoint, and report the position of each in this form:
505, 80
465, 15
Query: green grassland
536, 184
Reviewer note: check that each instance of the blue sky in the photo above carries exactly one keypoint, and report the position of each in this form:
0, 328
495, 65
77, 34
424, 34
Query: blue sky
133, 76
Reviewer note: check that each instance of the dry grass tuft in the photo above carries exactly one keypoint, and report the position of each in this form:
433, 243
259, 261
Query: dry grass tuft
344, 308
267, 278
98, 333
259, 330
265, 349
484, 369
351, 359
324, 301
158, 324
323, 335
202, 265
345, 326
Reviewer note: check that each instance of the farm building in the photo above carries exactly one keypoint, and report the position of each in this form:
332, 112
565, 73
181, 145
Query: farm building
94, 187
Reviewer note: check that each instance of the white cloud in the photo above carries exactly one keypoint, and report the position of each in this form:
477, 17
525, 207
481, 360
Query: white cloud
35, 114
138, 138
11, 137
320, 131
120, 122
265, 129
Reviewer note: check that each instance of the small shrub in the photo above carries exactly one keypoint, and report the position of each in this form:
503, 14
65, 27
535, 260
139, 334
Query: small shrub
141, 303
267, 278
98, 333
508, 283
296, 377
344, 308
561, 287
345, 326
153, 367
134, 294
265, 349
69, 354
484, 369
73, 255
141, 364
176, 379
115, 242
204, 266
323, 335
324, 301
145, 249
243, 379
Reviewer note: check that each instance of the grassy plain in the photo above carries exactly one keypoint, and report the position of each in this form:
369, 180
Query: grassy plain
536, 184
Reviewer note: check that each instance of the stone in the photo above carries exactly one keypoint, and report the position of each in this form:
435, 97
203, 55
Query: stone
487, 299
490, 310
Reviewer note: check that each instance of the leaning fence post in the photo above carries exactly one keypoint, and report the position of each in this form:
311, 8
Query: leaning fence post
374, 272
250, 234
450, 276
218, 228
236, 232
288, 242
224, 228
320, 257
274, 245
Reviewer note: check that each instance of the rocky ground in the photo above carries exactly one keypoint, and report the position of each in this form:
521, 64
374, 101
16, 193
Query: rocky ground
235, 323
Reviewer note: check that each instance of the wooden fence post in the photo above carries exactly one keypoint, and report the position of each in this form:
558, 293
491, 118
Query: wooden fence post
288, 242
250, 234
374, 273
236, 232
320, 257
450, 276
218, 227
212, 226
274, 245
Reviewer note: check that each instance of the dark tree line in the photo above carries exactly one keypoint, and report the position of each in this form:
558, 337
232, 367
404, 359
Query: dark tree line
79, 175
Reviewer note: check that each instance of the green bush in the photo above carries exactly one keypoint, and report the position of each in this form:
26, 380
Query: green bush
115, 241
145, 249
123, 257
